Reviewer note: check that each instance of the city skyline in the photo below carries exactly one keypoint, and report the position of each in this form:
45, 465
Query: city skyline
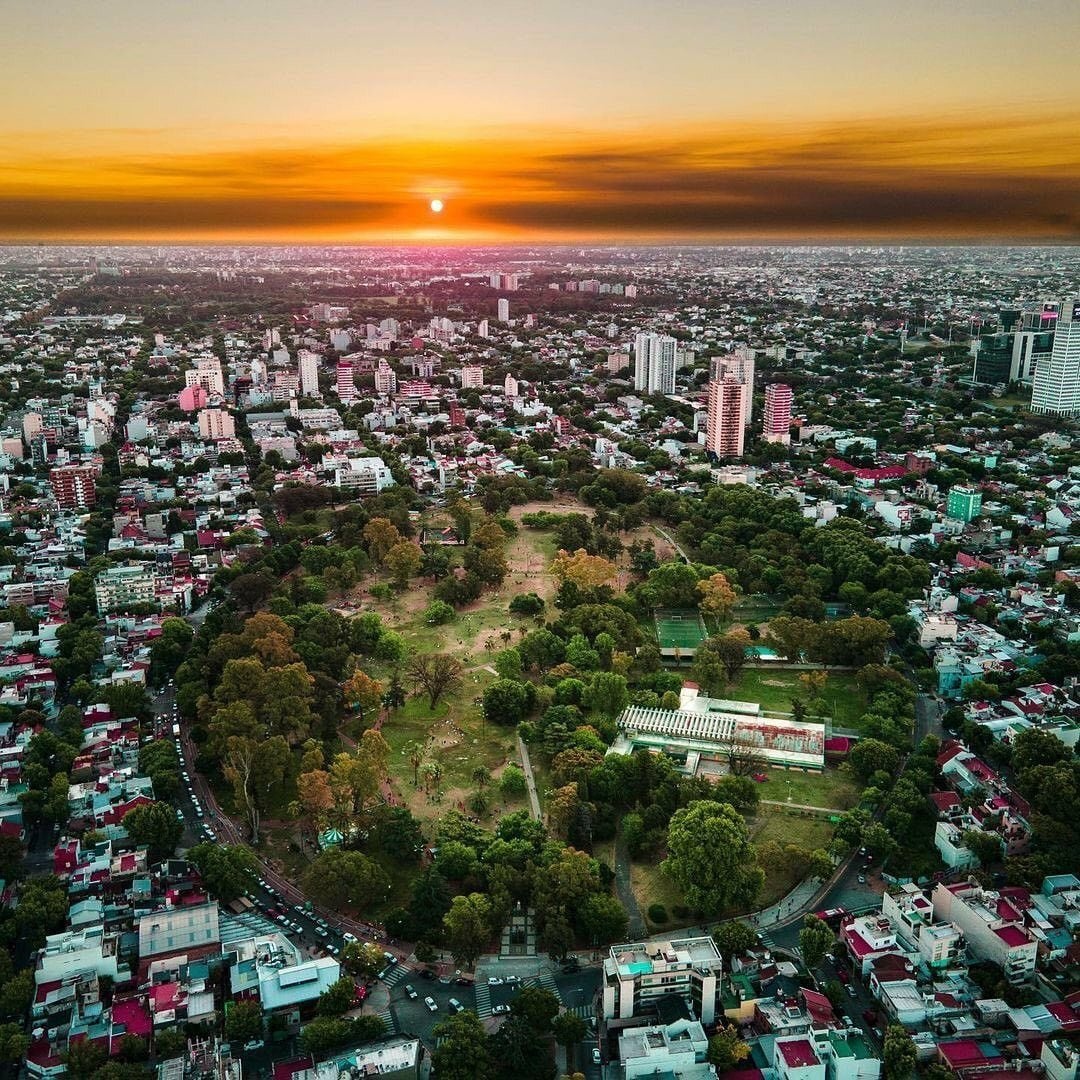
711, 121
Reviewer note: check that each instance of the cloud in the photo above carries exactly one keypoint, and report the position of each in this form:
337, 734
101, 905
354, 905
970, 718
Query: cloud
960, 175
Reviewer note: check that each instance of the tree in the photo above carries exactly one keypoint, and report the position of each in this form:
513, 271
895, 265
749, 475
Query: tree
717, 596
363, 693
583, 570
13, 1044
468, 928
536, 1008
607, 694
243, 1021
506, 702
869, 756
155, 825
461, 1049
169, 1043
820, 864
569, 1029
414, 752
1033, 747
438, 613
710, 856
403, 562
363, 958
508, 664
744, 758
338, 998
726, 1049
339, 878
790, 636
604, 919
83, 1059
438, 674
985, 846
898, 1053
380, 535
719, 659
255, 769
815, 940
733, 939
326, 1033
315, 797
226, 871
512, 781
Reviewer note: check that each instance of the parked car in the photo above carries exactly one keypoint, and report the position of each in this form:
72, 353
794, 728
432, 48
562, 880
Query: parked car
430, 1003
862, 879
597, 1057
495, 980
512, 980
851, 990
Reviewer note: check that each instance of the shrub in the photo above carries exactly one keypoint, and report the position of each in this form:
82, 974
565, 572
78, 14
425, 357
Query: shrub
657, 913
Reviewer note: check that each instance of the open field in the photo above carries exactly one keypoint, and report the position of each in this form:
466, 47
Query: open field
773, 688
831, 789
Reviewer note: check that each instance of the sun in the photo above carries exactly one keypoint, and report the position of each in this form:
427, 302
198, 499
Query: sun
436, 206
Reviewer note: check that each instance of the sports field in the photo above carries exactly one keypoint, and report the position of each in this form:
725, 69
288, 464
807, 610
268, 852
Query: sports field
682, 630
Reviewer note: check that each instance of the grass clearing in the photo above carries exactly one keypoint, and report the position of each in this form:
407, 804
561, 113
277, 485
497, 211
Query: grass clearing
831, 789
842, 700
805, 830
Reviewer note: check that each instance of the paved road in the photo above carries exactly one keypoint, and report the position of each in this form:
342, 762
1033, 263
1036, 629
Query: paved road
530, 780
928, 711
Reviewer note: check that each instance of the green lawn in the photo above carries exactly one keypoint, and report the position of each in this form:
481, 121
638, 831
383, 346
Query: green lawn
808, 831
830, 789
773, 688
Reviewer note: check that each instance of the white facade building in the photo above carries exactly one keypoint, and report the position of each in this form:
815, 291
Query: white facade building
1057, 380
654, 363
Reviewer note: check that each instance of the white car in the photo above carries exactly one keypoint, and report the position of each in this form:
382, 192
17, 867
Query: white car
597, 1058
496, 980
500, 1010
430, 1003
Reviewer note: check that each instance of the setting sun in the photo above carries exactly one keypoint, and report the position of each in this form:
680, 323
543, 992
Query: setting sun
436, 206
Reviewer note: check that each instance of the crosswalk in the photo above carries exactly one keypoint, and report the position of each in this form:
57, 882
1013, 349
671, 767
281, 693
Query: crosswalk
586, 1012
483, 1000
768, 941
547, 981
387, 1017
394, 975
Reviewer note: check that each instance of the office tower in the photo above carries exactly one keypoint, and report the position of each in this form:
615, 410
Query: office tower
963, 504
726, 424
1013, 354
385, 380
346, 380
1057, 379
504, 310
510, 386
482, 329
777, 424
472, 377
654, 363
74, 486
308, 370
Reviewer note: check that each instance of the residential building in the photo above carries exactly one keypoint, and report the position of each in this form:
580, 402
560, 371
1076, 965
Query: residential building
654, 363
676, 1049
777, 423
308, 372
740, 364
345, 381
364, 475
385, 380
726, 424
503, 313
994, 929
964, 503
1056, 388
472, 377
74, 952
638, 975
216, 424
74, 486
124, 585
510, 386
178, 929
207, 374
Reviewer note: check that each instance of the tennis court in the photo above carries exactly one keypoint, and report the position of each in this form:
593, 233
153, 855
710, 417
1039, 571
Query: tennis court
681, 631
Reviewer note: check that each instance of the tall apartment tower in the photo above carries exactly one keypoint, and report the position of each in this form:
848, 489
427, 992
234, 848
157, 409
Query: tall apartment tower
1057, 379
740, 363
308, 371
385, 380
504, 309
777, 424
654, 363
346, 380
726, 425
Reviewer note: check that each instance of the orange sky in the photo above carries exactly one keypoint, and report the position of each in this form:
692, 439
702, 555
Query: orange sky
337, 121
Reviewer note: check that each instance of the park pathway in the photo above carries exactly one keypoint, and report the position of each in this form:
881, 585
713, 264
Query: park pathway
635, 928
530, 780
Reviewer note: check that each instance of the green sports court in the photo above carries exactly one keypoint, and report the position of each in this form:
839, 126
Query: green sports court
679, 633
